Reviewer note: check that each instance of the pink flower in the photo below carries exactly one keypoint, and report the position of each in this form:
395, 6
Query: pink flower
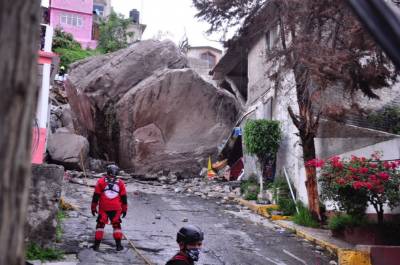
373, 165
353, 170
383, 176
387, 165
372, 178
357, 185
363, 170
341, 181
368, 185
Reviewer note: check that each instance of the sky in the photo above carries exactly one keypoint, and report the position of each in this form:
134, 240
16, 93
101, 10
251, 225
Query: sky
169, 16
173, 18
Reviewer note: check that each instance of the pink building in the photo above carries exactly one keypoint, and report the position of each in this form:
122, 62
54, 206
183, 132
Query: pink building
75, 17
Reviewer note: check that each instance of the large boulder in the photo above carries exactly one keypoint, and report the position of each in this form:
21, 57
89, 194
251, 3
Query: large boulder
172, 120
68, 149
142, 108
44, 197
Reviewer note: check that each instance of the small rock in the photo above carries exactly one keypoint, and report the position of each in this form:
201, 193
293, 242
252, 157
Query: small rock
185, 220
223, 201
164, 186
198, 193
231, 195
203, 196
178, 190
158, 216
332, 262
227, 189
154, 222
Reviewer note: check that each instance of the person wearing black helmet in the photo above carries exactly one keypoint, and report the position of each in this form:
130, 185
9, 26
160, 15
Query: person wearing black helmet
110, 197
190, 239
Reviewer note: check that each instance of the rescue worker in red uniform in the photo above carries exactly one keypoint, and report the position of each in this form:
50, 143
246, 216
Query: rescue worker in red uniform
110, 197
190, 239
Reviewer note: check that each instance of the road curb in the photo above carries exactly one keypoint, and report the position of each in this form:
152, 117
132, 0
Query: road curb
345, 256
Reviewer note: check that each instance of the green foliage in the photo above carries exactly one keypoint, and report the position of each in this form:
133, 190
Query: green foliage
287, 206
250, 188
113, 35
279, 188
35, 252
64, 40
69, 50
342, 221
69, 56
262, 137
388, 119
304, 217
59, 231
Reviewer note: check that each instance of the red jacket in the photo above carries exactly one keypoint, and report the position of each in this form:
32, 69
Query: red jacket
110, 195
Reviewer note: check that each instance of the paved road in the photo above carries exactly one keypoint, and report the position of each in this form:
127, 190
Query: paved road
233, 235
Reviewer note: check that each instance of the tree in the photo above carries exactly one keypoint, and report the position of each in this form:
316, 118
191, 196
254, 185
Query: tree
262, 138
323, 44
19, 43
113, 33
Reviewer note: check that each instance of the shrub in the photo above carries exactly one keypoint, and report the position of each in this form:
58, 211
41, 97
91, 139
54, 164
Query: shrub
250, 188
35, 252
352, 183
64, 40
69, 56
342, 221
304, 217
262, 137
287, 206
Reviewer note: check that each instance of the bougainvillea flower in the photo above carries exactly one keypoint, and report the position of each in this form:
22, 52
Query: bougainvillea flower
373, 165
341, 181
383, 176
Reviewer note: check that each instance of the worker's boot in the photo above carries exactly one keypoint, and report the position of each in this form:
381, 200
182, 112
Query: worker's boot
96, 245
118, 244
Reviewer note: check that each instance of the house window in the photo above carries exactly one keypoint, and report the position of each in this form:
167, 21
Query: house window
210, 58
98, 10
272, 38
71, 19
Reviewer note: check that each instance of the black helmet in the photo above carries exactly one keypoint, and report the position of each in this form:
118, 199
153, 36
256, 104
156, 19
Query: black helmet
189, 234
112, 170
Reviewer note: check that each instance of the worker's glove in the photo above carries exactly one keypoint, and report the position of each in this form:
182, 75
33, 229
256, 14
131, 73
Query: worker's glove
94, 210
123, 214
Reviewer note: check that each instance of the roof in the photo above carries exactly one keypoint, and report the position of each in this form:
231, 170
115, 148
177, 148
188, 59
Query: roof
205, 47
238, 47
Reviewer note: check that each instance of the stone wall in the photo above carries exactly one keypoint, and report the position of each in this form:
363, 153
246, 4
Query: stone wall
44, 197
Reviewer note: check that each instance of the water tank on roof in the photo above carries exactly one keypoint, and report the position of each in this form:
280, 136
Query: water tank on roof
134, 15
